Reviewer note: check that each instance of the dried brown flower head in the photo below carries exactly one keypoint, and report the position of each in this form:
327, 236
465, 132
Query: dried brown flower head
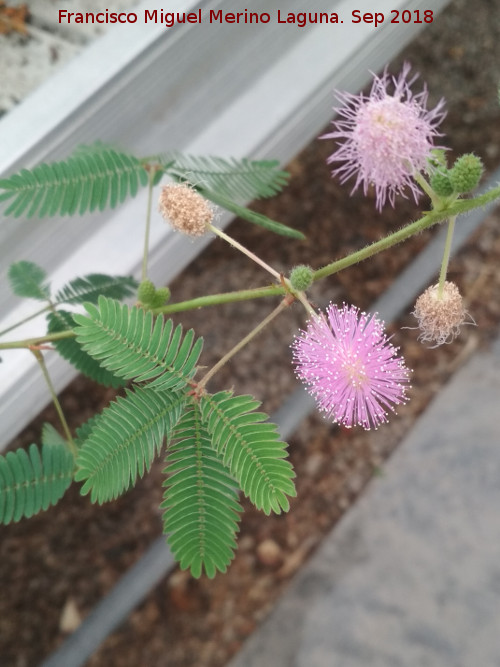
440, 317
185, 209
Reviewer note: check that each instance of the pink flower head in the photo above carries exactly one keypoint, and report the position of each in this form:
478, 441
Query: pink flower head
388, 138
350, 367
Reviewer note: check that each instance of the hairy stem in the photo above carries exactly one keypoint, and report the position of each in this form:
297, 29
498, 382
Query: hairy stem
39, 357
244, 250
446, 256
453, 209
26, 319
428, 220
426, 187
387, 242
221, 298
39, 340
301, 296
147, 228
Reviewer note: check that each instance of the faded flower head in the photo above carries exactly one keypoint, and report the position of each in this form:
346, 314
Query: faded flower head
185, 209
440, 317
388, 137
350, 367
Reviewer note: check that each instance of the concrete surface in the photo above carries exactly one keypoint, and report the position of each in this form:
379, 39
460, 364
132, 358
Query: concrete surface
411, 575
28, 60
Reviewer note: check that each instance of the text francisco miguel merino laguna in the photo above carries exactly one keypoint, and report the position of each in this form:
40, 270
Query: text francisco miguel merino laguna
212, 16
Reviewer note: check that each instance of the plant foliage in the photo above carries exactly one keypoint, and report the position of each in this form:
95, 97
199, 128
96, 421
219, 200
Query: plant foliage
51, 437
31, 481
91, 287
201, 508
127, 342
217, 444
250, 448
252, 216
124, 440
242, 180
88, 181
82, 433
27, 280
99, 175
71, 350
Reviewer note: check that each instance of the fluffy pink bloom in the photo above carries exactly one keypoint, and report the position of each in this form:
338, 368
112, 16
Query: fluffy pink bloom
350, 367
388, 137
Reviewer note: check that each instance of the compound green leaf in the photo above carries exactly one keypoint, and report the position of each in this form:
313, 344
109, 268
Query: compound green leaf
84, 182
71, 350
31, 481
250, 447
242, 180
201, 508
27, 280
90, 287
123, 441
251, 216
130, 344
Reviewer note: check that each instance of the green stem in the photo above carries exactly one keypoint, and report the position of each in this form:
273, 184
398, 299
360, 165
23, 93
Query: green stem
71, 444
428, 220
244, 250
426, 187
181, 306
301, 296
446, 255
147, 227
219, 299
465, 205
279, 308
39, 340
26, 319
387, 242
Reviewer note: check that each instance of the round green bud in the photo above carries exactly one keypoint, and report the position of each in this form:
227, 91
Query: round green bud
161, 297
466, 172
441, 184
146, 292
301, 277
437, 158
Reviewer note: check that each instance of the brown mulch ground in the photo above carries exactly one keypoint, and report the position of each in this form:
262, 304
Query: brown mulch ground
76, 552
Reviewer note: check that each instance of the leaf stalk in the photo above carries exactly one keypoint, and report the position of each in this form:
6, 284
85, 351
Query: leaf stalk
41, 362
244, 341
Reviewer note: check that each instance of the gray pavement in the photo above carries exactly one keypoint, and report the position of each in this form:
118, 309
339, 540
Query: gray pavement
411, 575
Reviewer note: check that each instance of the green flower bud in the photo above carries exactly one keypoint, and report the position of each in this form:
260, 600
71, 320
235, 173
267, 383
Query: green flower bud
301, 277
437, 157
161, 297
146, 292
441, 184
466, 172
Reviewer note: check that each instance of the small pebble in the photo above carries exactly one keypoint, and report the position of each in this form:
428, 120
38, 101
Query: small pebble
269, 553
